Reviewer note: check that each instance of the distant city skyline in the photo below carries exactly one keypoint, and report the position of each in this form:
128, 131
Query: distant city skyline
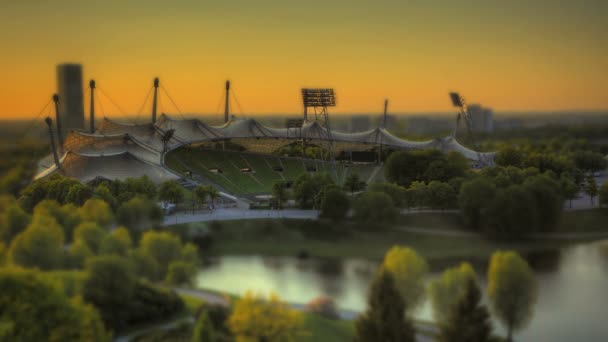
515, 56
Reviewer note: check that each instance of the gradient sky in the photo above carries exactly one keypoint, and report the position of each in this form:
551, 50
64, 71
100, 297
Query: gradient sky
510, 55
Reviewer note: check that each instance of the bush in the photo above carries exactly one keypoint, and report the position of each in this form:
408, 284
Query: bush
374, 207
323, 306
181, 273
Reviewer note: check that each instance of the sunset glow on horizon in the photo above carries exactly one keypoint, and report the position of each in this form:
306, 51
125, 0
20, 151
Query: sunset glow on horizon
511, 56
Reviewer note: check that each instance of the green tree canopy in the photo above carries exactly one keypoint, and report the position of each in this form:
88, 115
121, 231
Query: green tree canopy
512, 290
374, 207
39, 245
467, 319
39, 311
591, 188
255, 318
90, 234
110, 286
353, 183
279, 193
334, 205
13, 220
163, 247
474, 200
170, 191
384, 318
409, 270
97, 211
139, 213
446, 290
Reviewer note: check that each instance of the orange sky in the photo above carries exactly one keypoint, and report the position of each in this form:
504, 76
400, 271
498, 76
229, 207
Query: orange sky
507, 55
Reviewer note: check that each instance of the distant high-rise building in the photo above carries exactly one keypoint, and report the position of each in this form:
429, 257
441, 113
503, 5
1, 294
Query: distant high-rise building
428, 125
482, 119
71, 104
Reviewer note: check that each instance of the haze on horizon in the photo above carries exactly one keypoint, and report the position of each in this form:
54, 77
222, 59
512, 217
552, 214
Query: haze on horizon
512, 56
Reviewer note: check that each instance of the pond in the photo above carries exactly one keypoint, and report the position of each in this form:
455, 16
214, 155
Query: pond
572, 303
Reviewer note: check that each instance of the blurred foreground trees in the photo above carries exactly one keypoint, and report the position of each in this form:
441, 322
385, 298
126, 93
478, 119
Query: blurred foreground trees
512, 290
408, 270
385, 317
255, 318
34, 309
467, 319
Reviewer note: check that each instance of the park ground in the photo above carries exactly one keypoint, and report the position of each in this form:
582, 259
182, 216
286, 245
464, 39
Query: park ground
435, 235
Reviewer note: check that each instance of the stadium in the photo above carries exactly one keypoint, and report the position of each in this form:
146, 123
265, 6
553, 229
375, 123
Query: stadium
242, 158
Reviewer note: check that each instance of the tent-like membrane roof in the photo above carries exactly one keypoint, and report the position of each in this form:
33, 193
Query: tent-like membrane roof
119, 150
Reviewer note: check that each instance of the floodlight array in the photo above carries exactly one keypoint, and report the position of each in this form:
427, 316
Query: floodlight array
318, 97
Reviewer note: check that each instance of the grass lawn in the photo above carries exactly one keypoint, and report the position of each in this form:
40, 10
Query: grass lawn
317, 328
348, 240
590, 220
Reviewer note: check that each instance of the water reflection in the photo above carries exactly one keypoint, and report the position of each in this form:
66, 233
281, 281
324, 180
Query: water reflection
571, 306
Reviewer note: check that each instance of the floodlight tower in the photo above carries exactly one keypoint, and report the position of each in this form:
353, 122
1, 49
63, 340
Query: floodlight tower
385, 113
49, 122
165, 139
92, 112
319, 100
154, 99
227, 104
459, 102
58, 120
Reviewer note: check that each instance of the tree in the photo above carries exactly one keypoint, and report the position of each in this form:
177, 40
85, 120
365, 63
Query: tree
78, 253
445, 291
256, 319
306, 188
441, 195
591, 188
509, 156
353, 183
200, 193
91, 235
163, 247
171, 192
13, 220
589, 161
468, 320
474, 198
67, 215
374, 207
603, 193
397, 193
213, 195
103, 193
110, 286
512, 290
384, 318
98, 211
78, 194
39, 245
203, 330
569, 188
38, 311
279, 193
180, 273
549, 201
404, 167
138, 213
117, 242
409, 270
334, 205
512, 213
